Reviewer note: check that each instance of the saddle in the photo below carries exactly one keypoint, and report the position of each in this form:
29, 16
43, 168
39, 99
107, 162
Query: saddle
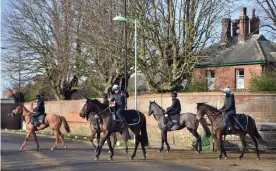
240, 122
40, 119
173, 120
131, 117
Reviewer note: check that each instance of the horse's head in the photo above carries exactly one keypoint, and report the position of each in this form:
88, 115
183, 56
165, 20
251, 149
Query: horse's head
87, 107
151, 108
155, 109
18, 111
201, 110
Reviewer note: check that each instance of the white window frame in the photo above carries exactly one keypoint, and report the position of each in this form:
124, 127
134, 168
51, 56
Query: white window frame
210, 79
239, 78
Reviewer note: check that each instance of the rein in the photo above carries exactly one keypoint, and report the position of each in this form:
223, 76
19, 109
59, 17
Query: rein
103, 110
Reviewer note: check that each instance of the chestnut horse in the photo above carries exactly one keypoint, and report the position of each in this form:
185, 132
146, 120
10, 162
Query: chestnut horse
52, 121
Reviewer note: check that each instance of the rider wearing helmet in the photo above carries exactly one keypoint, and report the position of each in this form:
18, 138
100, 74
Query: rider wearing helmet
174, 109
38, 111
229, 108
119, 98
105, 98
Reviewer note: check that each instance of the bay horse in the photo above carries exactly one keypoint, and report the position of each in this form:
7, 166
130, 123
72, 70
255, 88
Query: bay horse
52, 121
186, 120
110, 126
97, 131
216, 118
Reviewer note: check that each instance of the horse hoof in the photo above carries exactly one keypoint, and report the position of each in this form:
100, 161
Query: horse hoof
131, 158
197, 152
258, 158
240, 158
144, 158
159, 151
109, 152
95, 150
110, 158
96, 158
126, 152
52, 148
225, 158
21, 149
167, 151
65, 147
219, 158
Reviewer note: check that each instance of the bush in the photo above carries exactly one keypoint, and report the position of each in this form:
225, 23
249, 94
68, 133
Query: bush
265, 82
197, 86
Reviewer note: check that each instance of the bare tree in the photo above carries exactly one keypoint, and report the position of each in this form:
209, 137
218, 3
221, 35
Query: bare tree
269, 8
174, 34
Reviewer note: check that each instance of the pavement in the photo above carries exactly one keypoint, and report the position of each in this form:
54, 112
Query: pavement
79, 156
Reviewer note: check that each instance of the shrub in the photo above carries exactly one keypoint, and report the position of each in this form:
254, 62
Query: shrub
265, 82
197, 86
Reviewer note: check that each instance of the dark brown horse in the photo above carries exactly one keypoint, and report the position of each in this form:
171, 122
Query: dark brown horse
96, 129
216, 118
185, 120
110, 126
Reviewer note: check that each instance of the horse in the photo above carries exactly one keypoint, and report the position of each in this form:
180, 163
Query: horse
216, 119
52, 121
94, 130
186, 120
110, 126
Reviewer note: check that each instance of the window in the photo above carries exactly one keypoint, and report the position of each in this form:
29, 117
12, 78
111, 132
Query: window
210, 79
239, 78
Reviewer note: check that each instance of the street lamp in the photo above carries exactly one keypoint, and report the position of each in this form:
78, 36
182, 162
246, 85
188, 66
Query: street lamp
123, 19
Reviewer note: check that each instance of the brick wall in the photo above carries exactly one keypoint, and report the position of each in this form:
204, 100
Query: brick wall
226, 76
262, 107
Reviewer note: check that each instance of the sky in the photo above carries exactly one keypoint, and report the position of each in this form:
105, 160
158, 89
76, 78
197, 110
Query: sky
235, 15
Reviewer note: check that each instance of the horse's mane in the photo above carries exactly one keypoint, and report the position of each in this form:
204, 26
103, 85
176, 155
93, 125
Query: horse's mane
158, 105
210, 107
100, 104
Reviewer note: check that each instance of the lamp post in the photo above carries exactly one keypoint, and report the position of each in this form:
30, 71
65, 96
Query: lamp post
124, 19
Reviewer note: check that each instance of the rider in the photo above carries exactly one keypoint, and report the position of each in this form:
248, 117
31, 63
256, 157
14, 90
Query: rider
38, 111
119, 98
229, 108
174, 109
105, 98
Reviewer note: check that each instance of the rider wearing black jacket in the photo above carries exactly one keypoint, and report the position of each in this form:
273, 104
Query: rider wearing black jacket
38, 111
229, 108
175, 108
120, 104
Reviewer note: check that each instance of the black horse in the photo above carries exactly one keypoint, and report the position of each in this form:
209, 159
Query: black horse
216, 118
95, 127
186, 120
110, 126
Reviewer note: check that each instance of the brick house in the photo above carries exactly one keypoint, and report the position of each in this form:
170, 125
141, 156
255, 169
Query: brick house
238, 55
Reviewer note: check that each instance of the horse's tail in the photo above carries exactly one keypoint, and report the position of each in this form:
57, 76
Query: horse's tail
205, 127
65, 124
258, 136
144, 133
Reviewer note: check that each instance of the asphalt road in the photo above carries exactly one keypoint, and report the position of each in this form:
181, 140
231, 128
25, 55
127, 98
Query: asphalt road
79, 156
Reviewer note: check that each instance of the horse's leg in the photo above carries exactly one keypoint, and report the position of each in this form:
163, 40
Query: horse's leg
126, 140
98, 139
35, 137
137, 140
62, 139
162, 141
100, 146
256, 145
166, 141
109, 144
56, 141
198, 140
143, 148
114, 140
242, 137
93, 133
27, 137
222, 150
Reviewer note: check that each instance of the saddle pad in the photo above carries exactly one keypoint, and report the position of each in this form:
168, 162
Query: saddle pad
41, 118
175, 118
131, 117
241, 120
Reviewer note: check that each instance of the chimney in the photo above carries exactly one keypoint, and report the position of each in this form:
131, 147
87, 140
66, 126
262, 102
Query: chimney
244, 25
235, 27
226, 30
254, 23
